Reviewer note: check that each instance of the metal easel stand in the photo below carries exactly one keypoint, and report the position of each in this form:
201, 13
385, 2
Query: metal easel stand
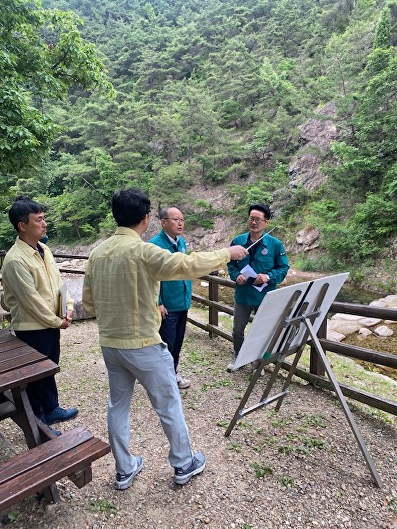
287, 329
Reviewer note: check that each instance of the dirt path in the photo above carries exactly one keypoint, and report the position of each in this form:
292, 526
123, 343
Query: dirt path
300, 468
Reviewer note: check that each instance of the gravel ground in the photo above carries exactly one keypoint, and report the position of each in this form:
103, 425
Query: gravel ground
300, 468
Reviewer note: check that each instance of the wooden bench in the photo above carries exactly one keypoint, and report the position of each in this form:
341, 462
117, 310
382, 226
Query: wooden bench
37, 469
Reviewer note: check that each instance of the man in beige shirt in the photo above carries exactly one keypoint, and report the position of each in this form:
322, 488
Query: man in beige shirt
121, 288
31, 282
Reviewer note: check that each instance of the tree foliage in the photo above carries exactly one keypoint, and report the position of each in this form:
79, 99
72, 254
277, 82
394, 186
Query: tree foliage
206, 92
42, 57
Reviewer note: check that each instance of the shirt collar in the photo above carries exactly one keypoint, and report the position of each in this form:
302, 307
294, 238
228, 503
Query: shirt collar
24, 246
173, 241
123, 230
259, 243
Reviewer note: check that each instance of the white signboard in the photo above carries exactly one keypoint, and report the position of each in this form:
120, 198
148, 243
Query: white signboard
270, 311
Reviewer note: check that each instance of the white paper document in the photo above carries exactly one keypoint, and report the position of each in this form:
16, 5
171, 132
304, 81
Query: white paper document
248, 272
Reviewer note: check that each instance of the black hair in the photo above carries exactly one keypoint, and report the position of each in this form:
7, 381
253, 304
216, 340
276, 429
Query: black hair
261, 207
21, 209
129, 207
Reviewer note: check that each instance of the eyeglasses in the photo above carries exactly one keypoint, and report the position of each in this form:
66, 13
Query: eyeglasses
257, 220
174, 219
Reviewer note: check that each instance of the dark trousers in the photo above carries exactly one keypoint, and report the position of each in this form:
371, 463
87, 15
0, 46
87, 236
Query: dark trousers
43, 394
241, 318
172, 332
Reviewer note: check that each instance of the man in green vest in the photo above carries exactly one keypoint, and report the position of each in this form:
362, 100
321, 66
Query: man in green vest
268, 265
175, 296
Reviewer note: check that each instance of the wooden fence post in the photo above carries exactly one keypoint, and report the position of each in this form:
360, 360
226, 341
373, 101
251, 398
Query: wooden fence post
316, 366
213, 295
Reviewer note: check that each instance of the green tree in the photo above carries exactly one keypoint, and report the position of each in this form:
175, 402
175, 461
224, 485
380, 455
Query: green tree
73, 214
42, 56
383, 31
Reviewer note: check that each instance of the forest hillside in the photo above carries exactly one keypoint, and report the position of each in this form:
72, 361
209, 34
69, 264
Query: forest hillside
210, 105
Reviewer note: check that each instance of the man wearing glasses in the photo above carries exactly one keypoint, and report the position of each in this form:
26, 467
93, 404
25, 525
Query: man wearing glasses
175, 296
268, 261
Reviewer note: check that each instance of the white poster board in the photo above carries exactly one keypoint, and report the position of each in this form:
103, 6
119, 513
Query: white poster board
270, 311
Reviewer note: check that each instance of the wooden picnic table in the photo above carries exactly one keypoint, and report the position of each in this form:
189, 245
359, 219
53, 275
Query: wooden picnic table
49, 457
20, 364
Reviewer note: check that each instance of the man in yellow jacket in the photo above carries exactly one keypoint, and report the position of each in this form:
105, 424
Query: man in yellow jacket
31, 282
121, 288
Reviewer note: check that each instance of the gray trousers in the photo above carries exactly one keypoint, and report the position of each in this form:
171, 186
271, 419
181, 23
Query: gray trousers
153, 367
241, 317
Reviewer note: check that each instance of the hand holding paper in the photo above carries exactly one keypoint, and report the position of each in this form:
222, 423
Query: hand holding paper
248, 272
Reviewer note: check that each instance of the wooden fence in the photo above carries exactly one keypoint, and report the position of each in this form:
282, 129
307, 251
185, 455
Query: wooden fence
315, 374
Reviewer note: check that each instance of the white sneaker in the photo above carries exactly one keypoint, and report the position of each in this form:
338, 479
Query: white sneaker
183, 383
230, 367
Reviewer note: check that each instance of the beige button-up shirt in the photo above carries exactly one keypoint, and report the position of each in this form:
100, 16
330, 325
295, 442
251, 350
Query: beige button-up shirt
31, 287
121, 286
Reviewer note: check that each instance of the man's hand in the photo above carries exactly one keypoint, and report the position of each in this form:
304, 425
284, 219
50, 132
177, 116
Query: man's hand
163, 312
261, 278
237, 252
67, 321
241, 280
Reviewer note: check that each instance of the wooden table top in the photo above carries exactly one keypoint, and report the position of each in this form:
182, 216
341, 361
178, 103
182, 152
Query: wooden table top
20, 364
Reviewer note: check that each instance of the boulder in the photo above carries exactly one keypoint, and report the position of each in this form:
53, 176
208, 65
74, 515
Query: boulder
369, 322
364, 332
75, 288
391, 300
316, 135
334, 336
378, 303
347, 317
349, 323
383, 331
343, 326
320, 131
307, 237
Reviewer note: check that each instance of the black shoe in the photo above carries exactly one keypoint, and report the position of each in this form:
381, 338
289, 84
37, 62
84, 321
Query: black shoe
60, 414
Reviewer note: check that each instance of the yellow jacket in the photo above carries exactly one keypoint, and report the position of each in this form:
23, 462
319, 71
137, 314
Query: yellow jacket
31, 287
121, 286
